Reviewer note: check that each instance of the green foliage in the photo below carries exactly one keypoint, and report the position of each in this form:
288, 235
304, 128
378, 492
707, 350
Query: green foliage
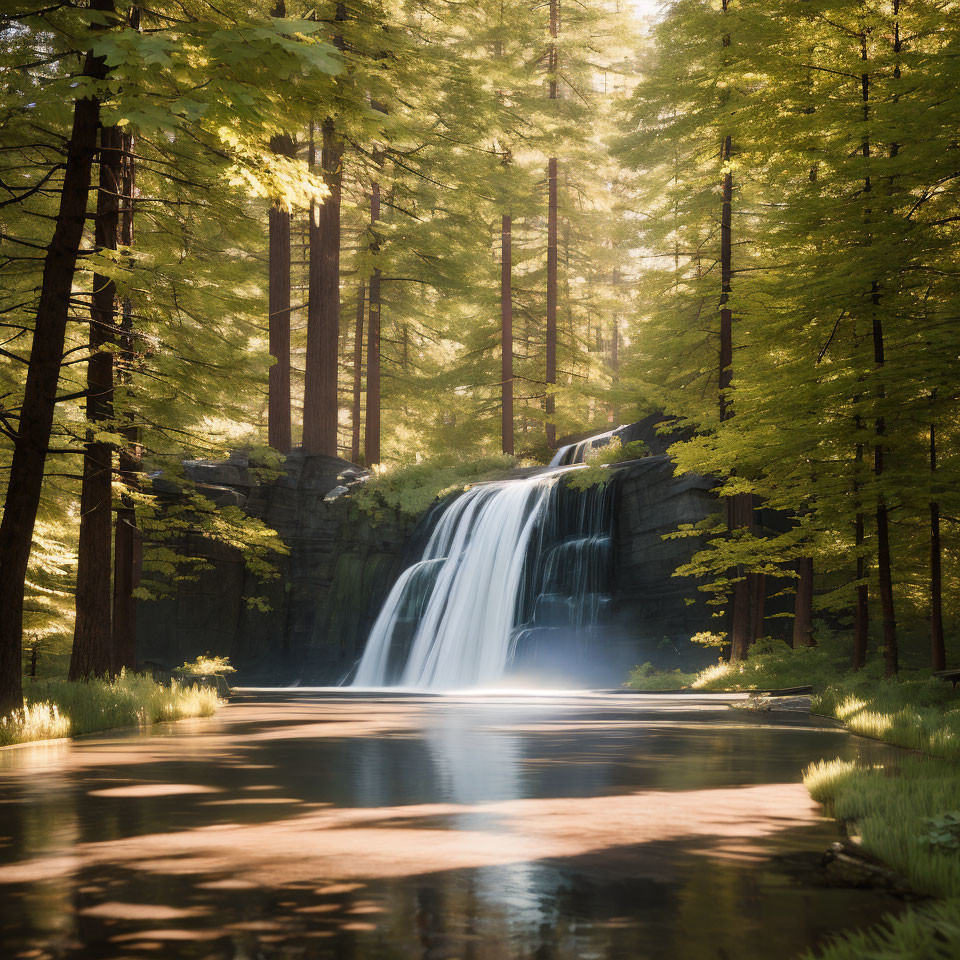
409, 490
944, 831
58, 708
648, 677
599, 460
207, 665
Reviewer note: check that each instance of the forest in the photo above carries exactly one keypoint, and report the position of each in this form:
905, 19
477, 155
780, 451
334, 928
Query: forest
418, 235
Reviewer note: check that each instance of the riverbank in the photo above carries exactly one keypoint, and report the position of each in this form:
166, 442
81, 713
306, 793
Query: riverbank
906, 814
54, 709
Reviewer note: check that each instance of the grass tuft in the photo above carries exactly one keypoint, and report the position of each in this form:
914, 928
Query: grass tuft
59, 708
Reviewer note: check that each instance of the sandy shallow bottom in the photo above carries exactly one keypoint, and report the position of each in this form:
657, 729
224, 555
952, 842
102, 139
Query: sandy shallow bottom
320, 824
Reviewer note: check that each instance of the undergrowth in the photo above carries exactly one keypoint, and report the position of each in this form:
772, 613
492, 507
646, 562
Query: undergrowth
59, 708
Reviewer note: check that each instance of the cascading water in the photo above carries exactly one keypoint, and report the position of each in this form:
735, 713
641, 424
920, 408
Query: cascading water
511, 567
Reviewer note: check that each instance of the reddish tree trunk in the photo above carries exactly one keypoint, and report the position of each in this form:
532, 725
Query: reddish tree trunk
758, 596
93, 654
357, 377
803, 605
551, 376
127, 543
320, 402
506, 335
372, 433
938, 652
43, 372
551, 359
278, 404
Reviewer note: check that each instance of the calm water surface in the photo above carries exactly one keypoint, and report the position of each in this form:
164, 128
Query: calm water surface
322, 825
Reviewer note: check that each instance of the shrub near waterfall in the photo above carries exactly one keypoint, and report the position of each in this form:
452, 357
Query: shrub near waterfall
410, 489
600, 459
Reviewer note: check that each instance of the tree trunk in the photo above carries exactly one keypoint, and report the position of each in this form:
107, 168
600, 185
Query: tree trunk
726, 281
372, 433
355, 412
278, 403
884, 572
551, 359
506, 335
127, 543
758, 596
803, 607
740, 514
93, 654
938, 652
43, 372
861, 616
551, 376
320, 402
740, 506
615, 347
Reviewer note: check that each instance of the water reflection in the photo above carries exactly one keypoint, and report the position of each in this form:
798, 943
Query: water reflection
330, 826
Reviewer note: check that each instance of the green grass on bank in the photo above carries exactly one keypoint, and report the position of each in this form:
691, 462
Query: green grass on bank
906, 815
772, 665
58, 708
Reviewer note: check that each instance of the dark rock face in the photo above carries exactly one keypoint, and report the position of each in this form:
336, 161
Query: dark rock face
651, 616
330, 588
341, 567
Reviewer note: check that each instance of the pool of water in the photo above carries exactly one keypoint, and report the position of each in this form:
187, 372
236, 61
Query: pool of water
322, 824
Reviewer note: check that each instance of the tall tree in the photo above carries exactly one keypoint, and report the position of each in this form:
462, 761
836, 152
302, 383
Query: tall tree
93, 654
506, 335
356, 407
372, 430
320, 402
46, 354
553, 66
127, 548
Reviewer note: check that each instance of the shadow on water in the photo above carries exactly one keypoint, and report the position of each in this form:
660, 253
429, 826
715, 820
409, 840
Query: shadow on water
329, 826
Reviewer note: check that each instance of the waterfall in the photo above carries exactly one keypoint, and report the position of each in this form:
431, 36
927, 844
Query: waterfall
511, 566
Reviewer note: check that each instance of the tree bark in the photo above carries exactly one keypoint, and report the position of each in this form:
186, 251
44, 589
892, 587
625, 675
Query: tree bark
740, 514
884, 571
127, 543
740, 506
726, 282
758, 596
278, 403
551, 374
372, 433
355, 413
551, 346
43, 372
803, 605
320, 401
93, 654
506, 334
938, 652
861, 616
